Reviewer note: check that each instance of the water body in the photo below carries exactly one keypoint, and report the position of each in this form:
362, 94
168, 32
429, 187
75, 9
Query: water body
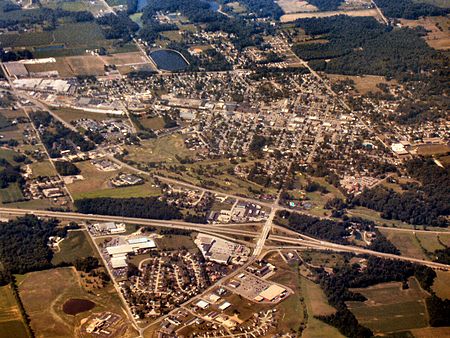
169, 60
74, 306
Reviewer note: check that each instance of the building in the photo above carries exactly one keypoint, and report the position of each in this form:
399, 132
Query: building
272, 292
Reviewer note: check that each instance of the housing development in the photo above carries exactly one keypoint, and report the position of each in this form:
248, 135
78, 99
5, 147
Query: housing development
219, 168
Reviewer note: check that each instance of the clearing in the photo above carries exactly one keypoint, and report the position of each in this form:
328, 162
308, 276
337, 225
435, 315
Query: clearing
437, 27
360, 12
11, 321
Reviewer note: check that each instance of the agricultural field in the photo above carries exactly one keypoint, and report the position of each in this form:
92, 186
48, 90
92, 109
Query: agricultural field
316, 305
77, 244
437, 30
43, 294
95, 7
360, 12
432, 242
11, 320
441, 284
406, 242
236, 7
388, 308
296, 6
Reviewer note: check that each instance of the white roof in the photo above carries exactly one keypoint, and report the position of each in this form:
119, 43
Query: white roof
272, 292
202, 304
118, 262
119, 249
224, 306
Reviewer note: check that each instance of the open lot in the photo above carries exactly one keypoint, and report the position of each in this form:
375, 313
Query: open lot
95, 7
77, 244
359, 12
432, 149
69, 114
42, 168
437, 27
96, 184
388, 308
43, 294
363, 84
11, 321
11, 194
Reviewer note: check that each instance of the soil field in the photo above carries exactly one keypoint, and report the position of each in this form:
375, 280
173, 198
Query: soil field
44, 293
296, 6
438, 27
432, 149
363, 84
441, 284
388, 308
11, 321
360, 12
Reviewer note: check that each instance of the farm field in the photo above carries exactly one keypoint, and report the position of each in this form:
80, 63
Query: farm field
11, 321
359, 12
388, 308
433, 242
296, 6
316, 305
437, 27
43, 293
406, 242
77, 244
441, 284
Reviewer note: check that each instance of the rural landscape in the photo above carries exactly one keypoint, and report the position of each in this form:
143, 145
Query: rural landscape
224, 168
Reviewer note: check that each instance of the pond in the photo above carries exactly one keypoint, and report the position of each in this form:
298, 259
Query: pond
74, 306
169, 60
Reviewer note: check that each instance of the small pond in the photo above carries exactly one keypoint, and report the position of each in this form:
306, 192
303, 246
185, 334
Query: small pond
74, 306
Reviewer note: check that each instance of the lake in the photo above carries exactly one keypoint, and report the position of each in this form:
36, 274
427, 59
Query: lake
169, 60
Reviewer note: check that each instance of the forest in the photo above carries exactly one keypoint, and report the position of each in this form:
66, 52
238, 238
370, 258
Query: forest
65, 168
426, 204
326, 5
361, 45
262, 8
409, 9
144, 207
23, 245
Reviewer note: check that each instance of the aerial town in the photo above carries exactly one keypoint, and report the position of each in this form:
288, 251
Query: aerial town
219, 168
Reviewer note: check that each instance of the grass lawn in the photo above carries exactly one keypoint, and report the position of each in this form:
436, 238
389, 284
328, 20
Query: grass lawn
11, 321
162, 149
154, 123
389, 308
430, 241
43, 168
77, 244
175, 242
11, 194
8, 155
69, 114
44, 292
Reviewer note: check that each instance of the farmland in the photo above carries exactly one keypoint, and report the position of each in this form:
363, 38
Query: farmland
437, 30
389, 308
43, 294
441, 284
359, 12
406, 242
11, 321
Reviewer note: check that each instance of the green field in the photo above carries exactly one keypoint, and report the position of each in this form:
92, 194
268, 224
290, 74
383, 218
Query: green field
175, 242
389, 308
77, 244
441, 284
11, 322
8, 155
11, 194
